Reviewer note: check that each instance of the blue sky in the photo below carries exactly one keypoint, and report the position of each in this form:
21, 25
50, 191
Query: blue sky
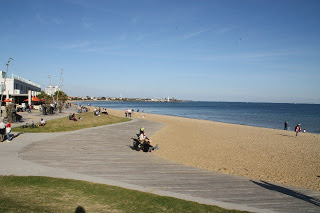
241, 50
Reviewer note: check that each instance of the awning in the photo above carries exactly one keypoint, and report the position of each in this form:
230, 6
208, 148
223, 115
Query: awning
34, 98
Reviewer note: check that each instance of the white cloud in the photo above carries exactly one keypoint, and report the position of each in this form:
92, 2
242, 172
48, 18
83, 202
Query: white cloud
193, 34
57, 20
40, 18
134, 20
140, 36
86, 23
48, 20
75, 45
88, 5
224, 30
123, 37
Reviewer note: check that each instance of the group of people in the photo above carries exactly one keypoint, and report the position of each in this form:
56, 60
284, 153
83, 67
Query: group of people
5, 129
72, 117
297, 128
81, 109
104, 111
98, 111
48, 108
128, 112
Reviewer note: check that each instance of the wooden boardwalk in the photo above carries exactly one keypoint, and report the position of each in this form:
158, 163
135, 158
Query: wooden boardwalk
105, 152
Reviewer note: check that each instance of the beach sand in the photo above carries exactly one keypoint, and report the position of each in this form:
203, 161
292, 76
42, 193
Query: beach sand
258, 153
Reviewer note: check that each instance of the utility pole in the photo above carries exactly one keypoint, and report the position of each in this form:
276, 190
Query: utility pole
50, 87
3, 86
59, 87
49, 80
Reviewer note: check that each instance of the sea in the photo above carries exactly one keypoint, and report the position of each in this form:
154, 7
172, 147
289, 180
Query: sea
268, 115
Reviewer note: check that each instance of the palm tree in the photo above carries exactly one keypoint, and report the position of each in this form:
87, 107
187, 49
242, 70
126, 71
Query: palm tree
61, 98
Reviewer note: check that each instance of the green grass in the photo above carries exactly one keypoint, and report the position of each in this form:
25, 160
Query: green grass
44, 194
64, 124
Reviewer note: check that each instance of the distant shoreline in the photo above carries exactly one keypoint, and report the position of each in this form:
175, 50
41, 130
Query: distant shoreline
266, 115
134, 100
195, 101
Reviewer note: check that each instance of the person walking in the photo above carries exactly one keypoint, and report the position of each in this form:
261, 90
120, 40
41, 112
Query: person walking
8, 130
2, 130
297, 129
285, 125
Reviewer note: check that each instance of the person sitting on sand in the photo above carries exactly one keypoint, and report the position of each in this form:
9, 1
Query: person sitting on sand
96, 112
42, 122
104, 111
73, 117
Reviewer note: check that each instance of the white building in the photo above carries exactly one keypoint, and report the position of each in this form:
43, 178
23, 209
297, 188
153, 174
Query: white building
16, 86
50, 90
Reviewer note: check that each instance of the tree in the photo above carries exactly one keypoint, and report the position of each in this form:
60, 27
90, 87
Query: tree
60, 96
45, 97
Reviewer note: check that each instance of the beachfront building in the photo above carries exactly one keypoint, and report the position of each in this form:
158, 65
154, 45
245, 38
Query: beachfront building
17, 88
51, 90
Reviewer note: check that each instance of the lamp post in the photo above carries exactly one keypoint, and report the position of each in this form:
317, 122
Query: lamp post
3, 86
60, 84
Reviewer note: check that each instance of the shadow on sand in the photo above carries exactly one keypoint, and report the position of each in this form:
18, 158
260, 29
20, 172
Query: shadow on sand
289, 192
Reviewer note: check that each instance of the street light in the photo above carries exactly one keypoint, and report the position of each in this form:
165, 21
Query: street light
3, 86
60, 85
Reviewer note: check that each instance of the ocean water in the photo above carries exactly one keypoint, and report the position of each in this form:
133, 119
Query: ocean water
269, 115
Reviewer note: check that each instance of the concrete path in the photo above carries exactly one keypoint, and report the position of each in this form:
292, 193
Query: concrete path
103, 155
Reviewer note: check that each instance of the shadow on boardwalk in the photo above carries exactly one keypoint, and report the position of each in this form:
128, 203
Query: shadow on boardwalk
289, 192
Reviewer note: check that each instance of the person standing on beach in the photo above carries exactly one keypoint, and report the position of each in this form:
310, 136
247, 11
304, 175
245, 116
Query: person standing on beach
285, 125
297, 129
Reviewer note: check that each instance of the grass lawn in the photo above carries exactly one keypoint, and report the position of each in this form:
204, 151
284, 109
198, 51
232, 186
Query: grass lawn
44, 194
64, 124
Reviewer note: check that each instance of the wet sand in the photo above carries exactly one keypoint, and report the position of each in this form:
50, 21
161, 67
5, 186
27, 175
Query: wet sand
259, 153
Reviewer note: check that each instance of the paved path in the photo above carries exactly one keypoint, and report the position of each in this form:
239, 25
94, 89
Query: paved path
103, 155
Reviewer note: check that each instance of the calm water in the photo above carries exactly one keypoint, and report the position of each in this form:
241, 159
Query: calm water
268, 115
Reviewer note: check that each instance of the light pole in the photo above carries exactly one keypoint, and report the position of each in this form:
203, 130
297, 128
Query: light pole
60, 84
3, 86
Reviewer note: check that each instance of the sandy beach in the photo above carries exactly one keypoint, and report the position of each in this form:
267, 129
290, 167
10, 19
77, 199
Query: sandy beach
259, 153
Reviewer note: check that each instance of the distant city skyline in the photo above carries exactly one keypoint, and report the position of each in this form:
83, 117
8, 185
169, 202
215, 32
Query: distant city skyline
206, 50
